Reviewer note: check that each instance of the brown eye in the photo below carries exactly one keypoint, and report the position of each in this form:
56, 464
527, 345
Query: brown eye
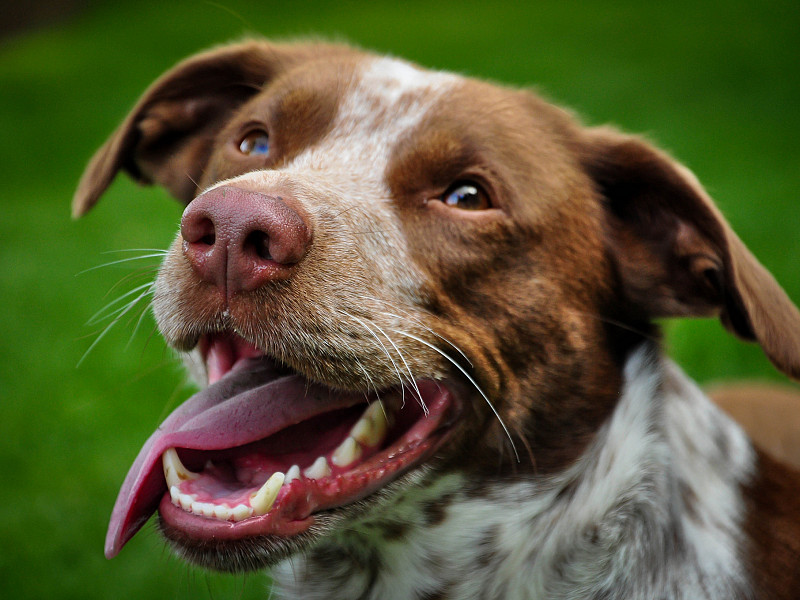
255, 143
466, 195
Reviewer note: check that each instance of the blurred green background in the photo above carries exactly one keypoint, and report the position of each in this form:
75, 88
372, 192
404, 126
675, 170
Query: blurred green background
715, 83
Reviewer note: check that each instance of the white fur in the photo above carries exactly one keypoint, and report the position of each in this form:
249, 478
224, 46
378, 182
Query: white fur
615, 525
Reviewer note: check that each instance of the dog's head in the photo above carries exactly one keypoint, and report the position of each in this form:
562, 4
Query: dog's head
359, 229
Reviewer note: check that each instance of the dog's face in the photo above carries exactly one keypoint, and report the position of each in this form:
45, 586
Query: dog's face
361, 230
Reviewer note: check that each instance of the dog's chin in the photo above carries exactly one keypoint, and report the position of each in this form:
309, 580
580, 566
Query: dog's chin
238, 556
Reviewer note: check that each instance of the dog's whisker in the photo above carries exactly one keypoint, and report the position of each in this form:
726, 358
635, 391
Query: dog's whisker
470, 379
385, 350
120, 261
116, 320
160, 251
367, 377
417, 322
412, 379
138, 275
106, 312
348, 209
138, 324
432, 332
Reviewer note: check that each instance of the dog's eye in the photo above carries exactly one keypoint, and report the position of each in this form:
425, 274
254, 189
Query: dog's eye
466, 195
255, 143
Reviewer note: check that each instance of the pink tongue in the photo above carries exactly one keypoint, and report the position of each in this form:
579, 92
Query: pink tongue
250, 403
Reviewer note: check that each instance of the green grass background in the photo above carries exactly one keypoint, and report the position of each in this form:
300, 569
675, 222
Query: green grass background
716, 83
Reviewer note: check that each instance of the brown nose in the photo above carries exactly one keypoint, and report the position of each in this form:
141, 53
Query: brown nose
240, 240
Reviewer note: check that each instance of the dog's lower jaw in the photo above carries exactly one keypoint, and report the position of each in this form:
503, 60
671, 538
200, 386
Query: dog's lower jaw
652, 509
257, 553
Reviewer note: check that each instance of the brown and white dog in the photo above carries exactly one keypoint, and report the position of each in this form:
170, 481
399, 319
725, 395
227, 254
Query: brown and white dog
423, 306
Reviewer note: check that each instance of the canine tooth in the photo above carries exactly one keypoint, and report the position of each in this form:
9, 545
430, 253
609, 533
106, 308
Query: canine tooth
292, 474
174, 494
372, 426
347, 452
263, 500
318, 470
241, 512
174, 471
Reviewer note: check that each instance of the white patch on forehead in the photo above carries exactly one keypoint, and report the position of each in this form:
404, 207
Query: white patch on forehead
389, 80
385, 101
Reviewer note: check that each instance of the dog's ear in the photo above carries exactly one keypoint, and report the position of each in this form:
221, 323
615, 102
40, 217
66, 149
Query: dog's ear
676, 254
167, 138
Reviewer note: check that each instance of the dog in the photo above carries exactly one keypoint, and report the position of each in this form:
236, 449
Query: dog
422, 309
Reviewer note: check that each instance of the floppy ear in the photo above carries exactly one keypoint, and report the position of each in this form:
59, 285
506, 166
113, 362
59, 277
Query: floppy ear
676, 254
167, 138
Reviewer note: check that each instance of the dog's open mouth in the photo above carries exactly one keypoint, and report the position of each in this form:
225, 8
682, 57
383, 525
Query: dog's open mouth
262, 449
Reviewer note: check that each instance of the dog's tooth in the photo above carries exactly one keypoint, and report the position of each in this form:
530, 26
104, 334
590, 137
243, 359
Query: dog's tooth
263, 500
348, 452
174, 471
223, 513
186, 501
318, 470
174, 494
204, 509
371, 428
292, 474
241, 512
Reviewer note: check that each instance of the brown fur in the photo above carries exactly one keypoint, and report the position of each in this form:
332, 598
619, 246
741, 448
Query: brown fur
590, 236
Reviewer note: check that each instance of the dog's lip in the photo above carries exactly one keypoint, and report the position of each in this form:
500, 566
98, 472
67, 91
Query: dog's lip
253, 401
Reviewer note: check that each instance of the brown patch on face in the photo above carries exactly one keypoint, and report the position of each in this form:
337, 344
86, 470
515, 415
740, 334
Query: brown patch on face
296, 111
525, 287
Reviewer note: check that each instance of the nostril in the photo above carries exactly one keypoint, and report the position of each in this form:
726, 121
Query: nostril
208, 239
200, 231
258, 242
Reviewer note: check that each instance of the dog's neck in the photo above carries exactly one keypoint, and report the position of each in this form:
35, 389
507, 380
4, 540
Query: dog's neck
652, 507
